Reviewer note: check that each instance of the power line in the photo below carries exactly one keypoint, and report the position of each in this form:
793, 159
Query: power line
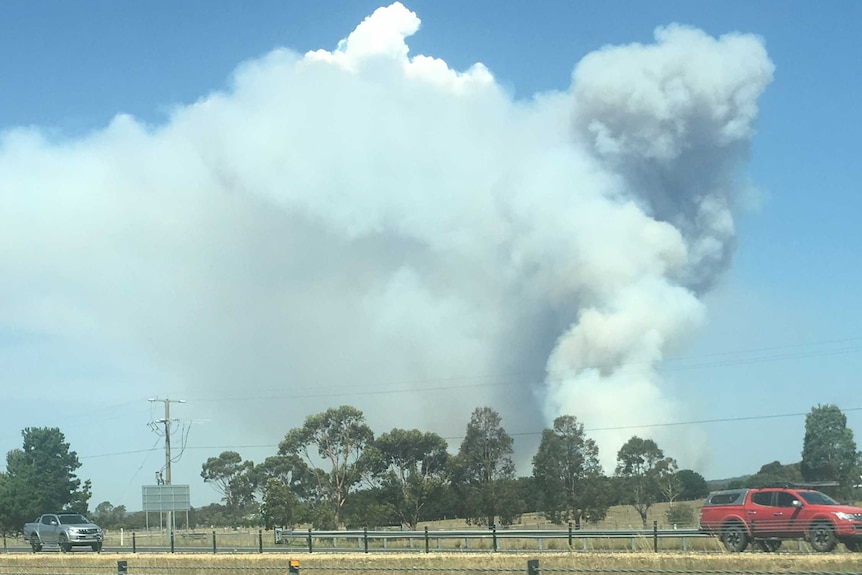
116, 453
696, 421
766, 354
528, 433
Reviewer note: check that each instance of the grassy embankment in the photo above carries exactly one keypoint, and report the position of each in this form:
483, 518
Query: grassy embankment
350, 564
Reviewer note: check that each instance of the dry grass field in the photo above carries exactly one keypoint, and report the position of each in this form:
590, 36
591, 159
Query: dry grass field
619, 517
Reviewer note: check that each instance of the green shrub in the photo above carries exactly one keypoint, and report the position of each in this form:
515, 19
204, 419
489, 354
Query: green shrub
680, 515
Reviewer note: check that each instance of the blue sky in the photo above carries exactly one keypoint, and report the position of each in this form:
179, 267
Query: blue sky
780, 329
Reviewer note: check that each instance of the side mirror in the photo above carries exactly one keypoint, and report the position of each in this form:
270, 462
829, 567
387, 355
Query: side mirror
54, 522
796, 503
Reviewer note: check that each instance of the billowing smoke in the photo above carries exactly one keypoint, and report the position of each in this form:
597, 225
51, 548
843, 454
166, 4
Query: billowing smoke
366, 227
672, 122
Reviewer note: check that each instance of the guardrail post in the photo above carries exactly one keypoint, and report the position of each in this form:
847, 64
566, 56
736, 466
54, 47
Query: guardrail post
655, 536
260, 540
427, 546
134, 547
365, 538
570, 534
533, 567
4, 542
172, 541
494, 536
214, 542
309, 540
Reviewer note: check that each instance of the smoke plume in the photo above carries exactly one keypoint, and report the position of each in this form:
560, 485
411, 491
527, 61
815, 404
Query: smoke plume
369, 227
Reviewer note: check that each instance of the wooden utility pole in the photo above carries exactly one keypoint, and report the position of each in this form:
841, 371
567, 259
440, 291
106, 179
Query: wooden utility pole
167, 423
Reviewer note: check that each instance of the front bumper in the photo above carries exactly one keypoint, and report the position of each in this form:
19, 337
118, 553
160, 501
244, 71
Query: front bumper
84, 538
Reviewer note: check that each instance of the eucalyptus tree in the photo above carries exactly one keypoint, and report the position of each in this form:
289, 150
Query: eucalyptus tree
280, 506
337, 439
411, 468
289, 492
484, 473
230, 476
568, 475
641, 469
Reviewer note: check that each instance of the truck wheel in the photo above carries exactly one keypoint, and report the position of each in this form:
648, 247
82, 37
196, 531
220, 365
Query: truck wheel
735, 538
822, 537
64, 544
97, 547
35, 543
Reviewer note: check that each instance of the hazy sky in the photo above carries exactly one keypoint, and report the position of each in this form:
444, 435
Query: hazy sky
641, 215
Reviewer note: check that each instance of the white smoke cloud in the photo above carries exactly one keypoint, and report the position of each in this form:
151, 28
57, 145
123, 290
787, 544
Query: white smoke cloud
369, 227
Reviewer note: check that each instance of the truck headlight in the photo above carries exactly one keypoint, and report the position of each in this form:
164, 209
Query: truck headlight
844, 516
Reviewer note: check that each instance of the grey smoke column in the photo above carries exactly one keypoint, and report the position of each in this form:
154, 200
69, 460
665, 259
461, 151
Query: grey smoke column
672, 122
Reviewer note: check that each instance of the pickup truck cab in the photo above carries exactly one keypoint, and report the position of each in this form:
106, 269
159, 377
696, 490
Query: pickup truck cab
66, 530
768, 516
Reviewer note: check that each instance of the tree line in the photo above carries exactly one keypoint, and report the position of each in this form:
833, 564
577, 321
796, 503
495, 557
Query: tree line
333, 472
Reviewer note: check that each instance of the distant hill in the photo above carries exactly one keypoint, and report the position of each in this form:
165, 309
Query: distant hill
716, 484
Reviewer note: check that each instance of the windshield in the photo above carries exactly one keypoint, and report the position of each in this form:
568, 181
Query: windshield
73, 519
817, 498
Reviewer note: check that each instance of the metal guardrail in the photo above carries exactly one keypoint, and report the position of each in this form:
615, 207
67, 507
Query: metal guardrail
425, 540
365, 538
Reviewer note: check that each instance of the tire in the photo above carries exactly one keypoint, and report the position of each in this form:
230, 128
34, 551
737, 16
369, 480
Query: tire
35, 544
63, 542
769, 545
853, 546
735, 538
97, 547
822, 537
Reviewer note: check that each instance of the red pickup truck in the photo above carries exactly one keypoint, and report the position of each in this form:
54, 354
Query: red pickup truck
767, 516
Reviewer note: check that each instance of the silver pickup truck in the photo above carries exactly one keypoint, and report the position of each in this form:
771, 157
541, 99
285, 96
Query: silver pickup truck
64, 529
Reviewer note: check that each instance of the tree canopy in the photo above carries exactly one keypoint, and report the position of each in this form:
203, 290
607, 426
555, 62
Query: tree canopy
229, 475
568, 475
641, 469
40, 477
828, 448
337, 436
484, 471
774, 473
411, 467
